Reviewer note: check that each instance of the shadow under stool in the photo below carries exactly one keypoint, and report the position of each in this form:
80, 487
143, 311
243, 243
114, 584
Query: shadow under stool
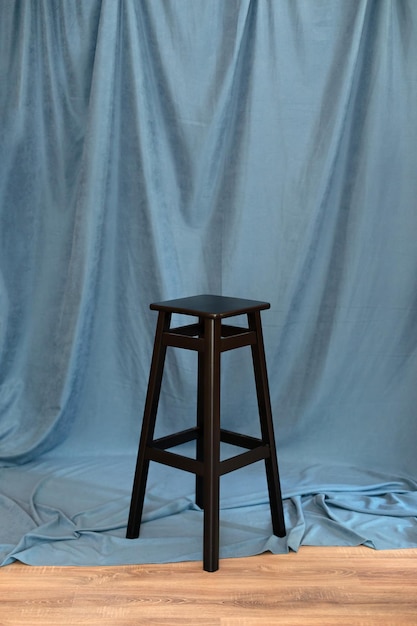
209, 337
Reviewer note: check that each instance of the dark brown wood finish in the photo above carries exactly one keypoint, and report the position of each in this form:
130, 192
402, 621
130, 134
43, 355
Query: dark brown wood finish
209, 337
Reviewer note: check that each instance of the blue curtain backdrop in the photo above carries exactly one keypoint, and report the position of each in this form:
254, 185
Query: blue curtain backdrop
154, 149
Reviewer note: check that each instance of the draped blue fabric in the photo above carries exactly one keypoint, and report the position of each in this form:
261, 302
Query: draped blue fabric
155, 149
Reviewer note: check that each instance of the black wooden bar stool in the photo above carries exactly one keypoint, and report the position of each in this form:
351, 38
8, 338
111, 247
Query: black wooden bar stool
209, 337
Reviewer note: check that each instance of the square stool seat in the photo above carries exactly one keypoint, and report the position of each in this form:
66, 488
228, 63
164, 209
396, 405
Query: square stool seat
209, 337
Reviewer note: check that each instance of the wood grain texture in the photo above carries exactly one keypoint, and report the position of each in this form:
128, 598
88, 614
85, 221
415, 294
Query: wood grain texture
316, 586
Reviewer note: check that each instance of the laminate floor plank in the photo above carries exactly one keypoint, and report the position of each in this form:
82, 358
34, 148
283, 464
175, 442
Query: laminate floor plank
316, 586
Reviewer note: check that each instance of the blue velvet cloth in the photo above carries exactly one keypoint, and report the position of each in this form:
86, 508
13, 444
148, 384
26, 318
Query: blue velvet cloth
159, 149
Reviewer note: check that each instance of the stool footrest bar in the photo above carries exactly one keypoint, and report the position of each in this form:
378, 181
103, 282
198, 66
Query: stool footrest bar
237, 439
246, 458
170, 441
175, 460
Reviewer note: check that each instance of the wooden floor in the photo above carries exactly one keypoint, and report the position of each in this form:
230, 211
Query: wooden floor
316, 586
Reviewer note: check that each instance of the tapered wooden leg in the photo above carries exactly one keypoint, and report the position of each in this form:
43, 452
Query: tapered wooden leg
267, 428
211, 479
148, 426
199, 482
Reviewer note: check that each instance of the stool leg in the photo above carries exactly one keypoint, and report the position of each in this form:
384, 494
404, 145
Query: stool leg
148, 426
267, 428
211, 477
199, 483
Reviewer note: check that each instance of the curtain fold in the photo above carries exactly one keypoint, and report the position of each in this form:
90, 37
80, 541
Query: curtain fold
253, 148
